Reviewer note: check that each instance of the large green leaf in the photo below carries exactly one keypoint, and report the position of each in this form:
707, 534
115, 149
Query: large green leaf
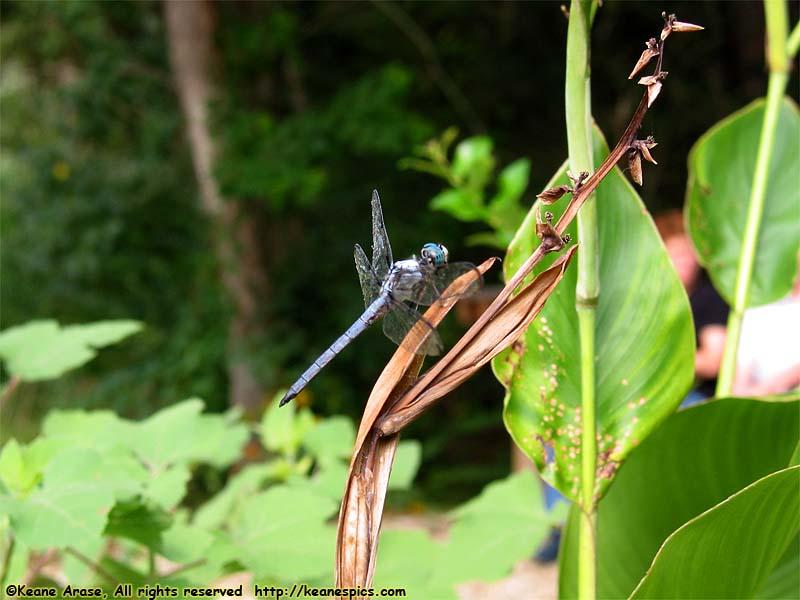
695, 460
71, 506
283, 428
178, 434
226, 503
167, 487
99, 429
21, 467
644, 343
407, 558
729, 551
784, 582
330, 440
138, 521
43, 350
167, 444
189, 545
721, 166
283, 534
406, 463
181, 434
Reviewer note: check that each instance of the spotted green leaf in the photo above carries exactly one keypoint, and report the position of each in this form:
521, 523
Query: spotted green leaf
644, 343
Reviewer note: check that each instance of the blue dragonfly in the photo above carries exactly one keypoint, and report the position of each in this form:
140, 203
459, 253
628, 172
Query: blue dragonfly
393, 290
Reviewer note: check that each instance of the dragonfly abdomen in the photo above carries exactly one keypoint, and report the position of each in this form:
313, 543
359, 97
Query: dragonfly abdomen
372, 313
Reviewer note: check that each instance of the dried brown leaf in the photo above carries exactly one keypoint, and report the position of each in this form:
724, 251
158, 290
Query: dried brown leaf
549, 196
362, 511
365, 492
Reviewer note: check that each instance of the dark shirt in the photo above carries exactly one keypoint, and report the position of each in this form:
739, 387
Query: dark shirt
708, 308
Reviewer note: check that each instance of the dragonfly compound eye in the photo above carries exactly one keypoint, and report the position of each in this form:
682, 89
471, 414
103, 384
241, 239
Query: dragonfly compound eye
435, 254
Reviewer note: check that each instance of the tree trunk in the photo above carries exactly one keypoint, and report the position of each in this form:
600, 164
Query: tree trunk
190, 31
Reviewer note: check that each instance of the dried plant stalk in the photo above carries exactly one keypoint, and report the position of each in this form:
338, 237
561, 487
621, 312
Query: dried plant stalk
362, 505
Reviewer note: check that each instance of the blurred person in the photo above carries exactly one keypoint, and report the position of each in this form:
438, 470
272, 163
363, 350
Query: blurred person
709, 310
768, 359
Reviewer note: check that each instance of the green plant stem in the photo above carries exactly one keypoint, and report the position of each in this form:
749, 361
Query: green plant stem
579, 138
777, 58
793, 43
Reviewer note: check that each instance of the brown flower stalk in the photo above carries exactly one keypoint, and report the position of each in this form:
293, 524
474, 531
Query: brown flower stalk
399, 396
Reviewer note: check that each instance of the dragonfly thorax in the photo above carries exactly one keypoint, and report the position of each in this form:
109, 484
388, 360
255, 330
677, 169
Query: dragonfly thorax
403, 279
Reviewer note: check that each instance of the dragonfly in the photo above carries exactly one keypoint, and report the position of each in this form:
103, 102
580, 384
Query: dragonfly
394, 290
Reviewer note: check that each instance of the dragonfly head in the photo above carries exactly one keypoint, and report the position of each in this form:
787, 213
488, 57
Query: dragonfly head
434, 254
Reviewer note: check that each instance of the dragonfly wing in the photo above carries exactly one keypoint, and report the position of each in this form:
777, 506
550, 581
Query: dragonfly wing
409, 329
370, 284
437, 281
381, 249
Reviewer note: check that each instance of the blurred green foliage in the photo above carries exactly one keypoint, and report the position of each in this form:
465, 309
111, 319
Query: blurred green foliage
319, 102
99, 216
91, 478
42, 350
468, 175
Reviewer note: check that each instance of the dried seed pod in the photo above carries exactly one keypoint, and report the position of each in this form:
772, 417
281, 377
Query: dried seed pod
644, 146
645, 150
635, 165
653, 83
577, 180
679, 27
669, 20
551, 241
551, 195
652, 93
647, 55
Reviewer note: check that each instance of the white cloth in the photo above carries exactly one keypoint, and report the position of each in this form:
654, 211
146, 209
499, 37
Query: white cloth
769, 343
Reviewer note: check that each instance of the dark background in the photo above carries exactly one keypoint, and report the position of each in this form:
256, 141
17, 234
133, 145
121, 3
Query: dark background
319, 101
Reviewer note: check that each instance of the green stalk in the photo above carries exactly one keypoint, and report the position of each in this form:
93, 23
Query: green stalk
579, 138
793, 43
778, 60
